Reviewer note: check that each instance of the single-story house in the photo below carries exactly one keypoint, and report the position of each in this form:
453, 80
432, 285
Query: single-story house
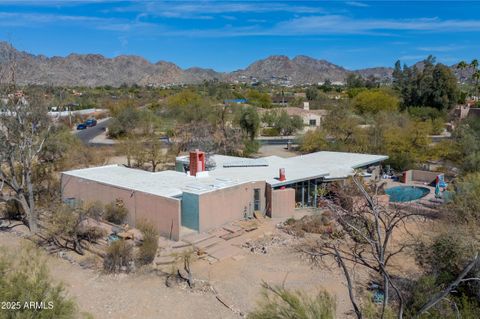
311, 118
200, 198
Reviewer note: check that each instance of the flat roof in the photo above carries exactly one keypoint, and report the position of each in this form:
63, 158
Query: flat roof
230, 171
327, 165
164, 183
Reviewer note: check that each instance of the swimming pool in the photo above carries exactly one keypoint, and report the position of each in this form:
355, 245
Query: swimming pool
406, 193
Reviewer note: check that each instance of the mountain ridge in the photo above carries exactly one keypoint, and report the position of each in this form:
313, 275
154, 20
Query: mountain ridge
97, 70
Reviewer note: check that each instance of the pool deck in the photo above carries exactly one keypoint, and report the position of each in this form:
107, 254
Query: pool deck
390, 183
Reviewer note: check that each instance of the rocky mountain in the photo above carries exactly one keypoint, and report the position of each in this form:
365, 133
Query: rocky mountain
382, 73
97, 70
299, 70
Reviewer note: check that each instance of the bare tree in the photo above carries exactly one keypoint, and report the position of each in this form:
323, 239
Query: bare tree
155, 152
369, 227
24, 127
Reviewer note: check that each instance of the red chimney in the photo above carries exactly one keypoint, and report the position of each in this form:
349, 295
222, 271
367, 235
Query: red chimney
197, 162
282, 175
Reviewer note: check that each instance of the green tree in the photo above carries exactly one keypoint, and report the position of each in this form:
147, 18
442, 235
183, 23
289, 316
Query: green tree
249, 121
312, 93
432, 85
286, 124
124, 122
259, 99
270, 118
354, 81
374, 101
313, 141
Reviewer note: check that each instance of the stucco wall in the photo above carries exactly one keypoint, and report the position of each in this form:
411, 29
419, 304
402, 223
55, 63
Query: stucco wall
163, 212
229, 204
419, 176
308, 117
283, 202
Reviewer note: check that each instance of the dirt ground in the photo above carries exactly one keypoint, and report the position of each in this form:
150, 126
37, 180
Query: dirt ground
238, 282
277, 150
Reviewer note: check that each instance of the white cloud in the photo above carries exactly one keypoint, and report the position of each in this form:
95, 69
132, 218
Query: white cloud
34, 20
195, 9
448, 48
357, 4
337, 24
412, 57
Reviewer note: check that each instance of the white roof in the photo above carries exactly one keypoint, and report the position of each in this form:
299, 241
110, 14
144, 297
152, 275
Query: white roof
165, 183
328, 165
230, 171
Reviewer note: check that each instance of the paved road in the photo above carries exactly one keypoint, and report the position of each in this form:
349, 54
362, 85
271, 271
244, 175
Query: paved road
92, 132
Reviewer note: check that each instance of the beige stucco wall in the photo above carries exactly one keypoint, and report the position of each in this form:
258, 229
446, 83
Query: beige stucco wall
310, 116
163, 212
229, 204
419, 176
283, 202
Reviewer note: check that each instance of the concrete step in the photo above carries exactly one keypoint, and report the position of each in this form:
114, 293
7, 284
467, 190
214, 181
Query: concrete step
222, 252
195, 239
208, 243
233, 235
232, 228
218, 232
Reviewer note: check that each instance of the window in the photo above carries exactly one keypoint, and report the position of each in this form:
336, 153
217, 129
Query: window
256, 199
313, 122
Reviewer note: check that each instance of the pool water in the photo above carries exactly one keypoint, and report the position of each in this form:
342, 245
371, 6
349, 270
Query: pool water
406, 193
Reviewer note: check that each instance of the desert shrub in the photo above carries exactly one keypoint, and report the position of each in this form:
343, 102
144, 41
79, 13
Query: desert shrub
11, 210
313, 141
95, 210
251, 147
443, 258
115, 129
115, 212
92, 233
118, 257
465, 206
148, 249
280, 303
313, 224
457, 305
370, 310
24, 277
270, 131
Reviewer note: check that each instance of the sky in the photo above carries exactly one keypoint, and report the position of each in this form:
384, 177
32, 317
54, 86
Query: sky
229, 35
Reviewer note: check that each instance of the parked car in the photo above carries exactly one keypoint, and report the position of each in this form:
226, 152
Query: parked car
81, 126
91, 122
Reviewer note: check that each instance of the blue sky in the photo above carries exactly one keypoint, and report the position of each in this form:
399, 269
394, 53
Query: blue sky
228, 35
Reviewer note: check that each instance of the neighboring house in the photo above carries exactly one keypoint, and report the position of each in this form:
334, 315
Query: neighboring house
311, 118
282, 100
200, 198
467, 110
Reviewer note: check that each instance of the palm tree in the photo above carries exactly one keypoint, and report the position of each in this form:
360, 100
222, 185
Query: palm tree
462, 65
